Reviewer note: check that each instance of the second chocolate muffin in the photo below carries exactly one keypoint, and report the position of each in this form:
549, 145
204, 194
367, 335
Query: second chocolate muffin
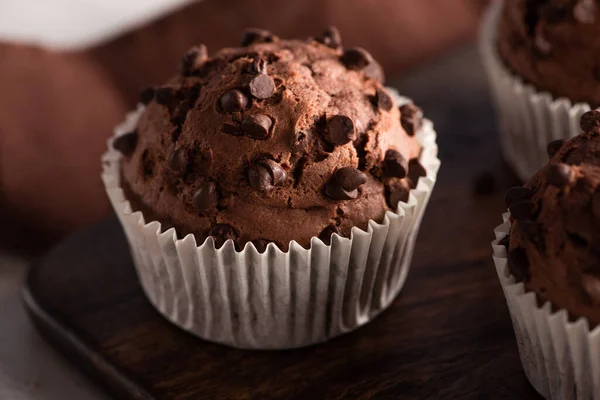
274, 141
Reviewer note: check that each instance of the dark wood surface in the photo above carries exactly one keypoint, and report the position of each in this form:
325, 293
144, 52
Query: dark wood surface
447, 336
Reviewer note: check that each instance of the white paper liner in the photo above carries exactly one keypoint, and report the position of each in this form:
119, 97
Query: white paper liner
561, 359
528, 119
274, 300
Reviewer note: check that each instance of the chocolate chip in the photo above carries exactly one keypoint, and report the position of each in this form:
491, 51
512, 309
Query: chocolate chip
125, 144
330, 38
541, 45
178, 161
257, 66
356, 58
257, 126
518, 264
411, 118
193, 59
375, 71
585, 11
336, 192
554, 146
230, 129
326, 233
254, 35
396, 192
590, 120
260, 245
521, 210
262, 87
395, 164
415, 171
516, 194
206, 198
146, 95
383, 100
165, 96
559, 174
350, 178
233, 100
266, 174
222, 233
340, 130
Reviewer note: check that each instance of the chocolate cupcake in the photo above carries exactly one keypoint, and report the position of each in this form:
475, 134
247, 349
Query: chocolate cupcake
283, 169
543, 67
548, 260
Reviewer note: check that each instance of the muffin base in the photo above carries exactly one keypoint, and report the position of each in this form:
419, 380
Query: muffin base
528, 119
561, 358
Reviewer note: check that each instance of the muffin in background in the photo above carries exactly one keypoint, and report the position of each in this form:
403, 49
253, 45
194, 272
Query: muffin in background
544, 72
548, 260
271, 194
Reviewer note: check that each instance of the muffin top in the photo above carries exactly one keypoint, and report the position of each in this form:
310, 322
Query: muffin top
554, 245
274, 141
554, 45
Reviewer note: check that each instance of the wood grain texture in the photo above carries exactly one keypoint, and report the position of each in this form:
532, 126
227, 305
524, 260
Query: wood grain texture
447, 336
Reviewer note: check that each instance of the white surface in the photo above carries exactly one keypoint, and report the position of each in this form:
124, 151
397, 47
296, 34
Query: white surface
73, 24
29, 368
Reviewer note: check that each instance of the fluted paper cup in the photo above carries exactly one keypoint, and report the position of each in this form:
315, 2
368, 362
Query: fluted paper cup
561, 358
528, 119
278, 299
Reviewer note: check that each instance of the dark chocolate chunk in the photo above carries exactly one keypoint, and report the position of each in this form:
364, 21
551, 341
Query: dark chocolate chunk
518, 264
222, 233
559, 174
178, 161
278, 174
590, 120
484, 183
356, 58
383, 100
257, 126
255, 35
411, 118
541, 45
326, 233
350, 178
262, 87
516, 194
233, 100
375, 71
231, 129
165, 96
260, 245
521, 210
206, 198
257, 66
340, 130
125, 144
396, 192
554, 146
193, 59
585, 11
395, 164
146, 95
330, 38
260, 178
415, 171
336, 192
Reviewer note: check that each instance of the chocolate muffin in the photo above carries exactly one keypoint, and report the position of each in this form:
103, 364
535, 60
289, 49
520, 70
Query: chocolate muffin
554, 45
554, 245
273, 141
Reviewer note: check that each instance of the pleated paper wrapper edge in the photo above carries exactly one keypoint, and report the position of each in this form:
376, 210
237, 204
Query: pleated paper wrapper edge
528, 119
274, 300
561, 358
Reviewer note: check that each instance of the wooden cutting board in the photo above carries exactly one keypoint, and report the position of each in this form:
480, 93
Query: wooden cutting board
447, 336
